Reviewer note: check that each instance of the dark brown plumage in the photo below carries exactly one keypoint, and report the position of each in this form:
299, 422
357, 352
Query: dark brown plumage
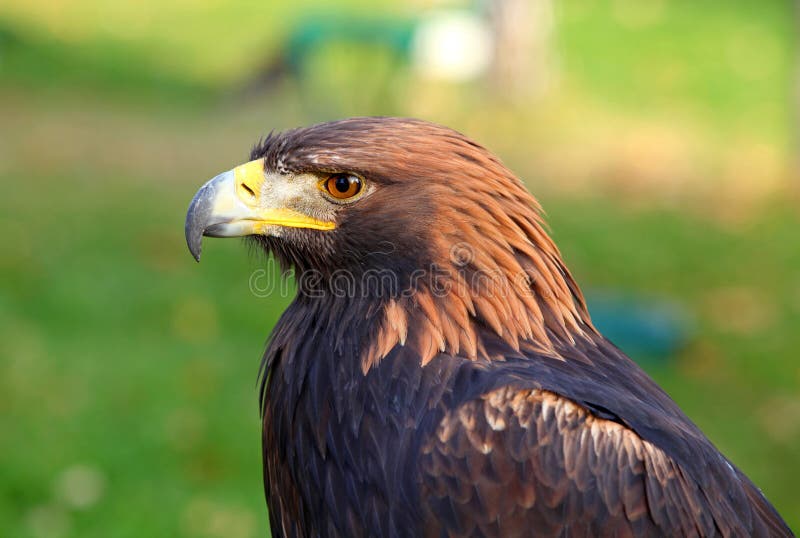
438, 373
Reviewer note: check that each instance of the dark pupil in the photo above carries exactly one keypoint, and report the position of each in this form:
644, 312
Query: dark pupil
342, 183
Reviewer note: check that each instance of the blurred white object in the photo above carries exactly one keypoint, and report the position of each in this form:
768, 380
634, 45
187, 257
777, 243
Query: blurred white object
524, 63
80, 486
452, 45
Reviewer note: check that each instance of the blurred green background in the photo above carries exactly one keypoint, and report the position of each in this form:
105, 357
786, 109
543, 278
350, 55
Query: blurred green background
659, 136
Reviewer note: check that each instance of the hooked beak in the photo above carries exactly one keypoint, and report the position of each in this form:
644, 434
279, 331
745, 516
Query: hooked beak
235, 203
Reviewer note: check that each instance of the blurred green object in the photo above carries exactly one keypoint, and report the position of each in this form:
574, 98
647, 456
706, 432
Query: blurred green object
646, 330
309, 34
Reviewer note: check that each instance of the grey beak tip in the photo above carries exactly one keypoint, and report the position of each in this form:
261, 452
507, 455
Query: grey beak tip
196, 219
194, 241
199, 218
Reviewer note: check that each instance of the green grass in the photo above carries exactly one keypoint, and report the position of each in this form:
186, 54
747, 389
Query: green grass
730, 63
125, 364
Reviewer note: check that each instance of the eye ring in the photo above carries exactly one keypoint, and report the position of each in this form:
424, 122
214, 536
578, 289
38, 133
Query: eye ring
343, 186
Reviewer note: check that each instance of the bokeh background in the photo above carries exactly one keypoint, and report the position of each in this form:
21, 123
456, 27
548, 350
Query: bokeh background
658, 135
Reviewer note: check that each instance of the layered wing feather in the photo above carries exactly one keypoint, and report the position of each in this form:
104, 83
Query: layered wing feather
528, 462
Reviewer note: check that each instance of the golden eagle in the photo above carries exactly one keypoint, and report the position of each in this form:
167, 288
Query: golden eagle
438, 373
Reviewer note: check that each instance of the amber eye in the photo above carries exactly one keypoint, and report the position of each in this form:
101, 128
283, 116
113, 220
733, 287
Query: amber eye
343, 186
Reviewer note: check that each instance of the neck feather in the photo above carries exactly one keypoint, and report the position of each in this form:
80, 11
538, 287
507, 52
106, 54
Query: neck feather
510, 285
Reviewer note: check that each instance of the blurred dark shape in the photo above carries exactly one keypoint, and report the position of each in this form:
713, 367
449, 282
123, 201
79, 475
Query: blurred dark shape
8, 38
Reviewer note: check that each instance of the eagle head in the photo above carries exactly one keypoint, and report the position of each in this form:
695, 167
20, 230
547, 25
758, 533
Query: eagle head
423, 224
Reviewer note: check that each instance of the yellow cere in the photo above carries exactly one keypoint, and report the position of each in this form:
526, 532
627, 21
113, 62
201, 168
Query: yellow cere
249, 177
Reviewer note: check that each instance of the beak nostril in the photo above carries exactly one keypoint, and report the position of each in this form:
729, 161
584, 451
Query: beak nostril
249, 190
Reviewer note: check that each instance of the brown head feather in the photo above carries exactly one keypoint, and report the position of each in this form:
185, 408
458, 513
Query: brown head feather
476, 230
